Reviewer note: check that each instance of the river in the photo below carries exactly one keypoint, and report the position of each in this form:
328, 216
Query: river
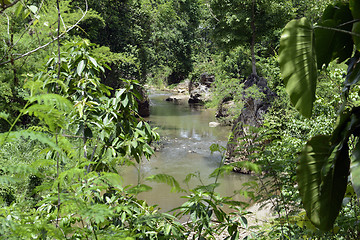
186, 138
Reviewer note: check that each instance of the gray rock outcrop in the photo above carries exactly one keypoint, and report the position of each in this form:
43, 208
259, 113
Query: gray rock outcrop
200, 91
251, 115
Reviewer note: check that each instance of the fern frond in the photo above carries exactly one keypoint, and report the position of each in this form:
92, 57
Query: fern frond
38, 129
68, 176
167, 179
67, 147
41, 163
20, 169
35, 86
6, 180
113, 179
190, 176
54, 100
61, 84
38, 136
225, 169
247, 165
48, 114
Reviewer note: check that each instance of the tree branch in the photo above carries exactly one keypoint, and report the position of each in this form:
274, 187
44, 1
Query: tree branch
7, 6
25, 31
338, 30
211, 12
55, 39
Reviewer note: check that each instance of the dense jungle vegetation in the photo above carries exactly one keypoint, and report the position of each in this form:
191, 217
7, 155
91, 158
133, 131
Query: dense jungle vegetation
72, 74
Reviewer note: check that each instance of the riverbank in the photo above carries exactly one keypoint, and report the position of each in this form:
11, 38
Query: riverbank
179, 92
257, 215
185, 148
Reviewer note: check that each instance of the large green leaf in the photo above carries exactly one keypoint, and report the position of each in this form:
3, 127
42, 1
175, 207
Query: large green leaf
322, 176
348, 124
297, 60
324, 42
353, 74
355, 11
329, 43
354, 126
355, 169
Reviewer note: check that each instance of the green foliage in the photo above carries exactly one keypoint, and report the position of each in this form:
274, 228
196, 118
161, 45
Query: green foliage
354, 7
324, 164
298, 64
164, 178
83, 133
233, 21
26, 29
310, 9
204, 208
331, 45
109, 129
79, 124
322, 192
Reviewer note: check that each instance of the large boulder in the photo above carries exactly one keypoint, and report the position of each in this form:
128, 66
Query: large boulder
206, 79
251, 115
225, 112
200, 91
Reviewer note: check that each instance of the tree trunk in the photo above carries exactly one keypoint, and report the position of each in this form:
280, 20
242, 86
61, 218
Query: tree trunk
253, 59
12, 60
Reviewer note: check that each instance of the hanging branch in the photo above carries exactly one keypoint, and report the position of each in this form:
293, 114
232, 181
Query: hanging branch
55, 39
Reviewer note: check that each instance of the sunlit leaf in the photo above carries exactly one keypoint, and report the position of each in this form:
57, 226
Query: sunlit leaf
355, 176
25, 13
139, 188
33, 9
167, 179
5, 2
93, 61
298, 64
18, 10
80, 67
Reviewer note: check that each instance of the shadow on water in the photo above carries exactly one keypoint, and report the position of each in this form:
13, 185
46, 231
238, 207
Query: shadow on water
187, 139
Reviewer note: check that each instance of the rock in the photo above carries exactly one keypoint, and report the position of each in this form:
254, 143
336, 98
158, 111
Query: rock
213, 124
182, 87
206, 79
226, 111
170, 99
251, 115
181, 91
200, 91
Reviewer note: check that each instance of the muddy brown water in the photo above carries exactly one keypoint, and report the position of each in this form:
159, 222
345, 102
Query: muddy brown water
186, 139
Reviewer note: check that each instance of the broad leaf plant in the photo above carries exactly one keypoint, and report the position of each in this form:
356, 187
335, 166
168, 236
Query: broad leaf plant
327, 164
